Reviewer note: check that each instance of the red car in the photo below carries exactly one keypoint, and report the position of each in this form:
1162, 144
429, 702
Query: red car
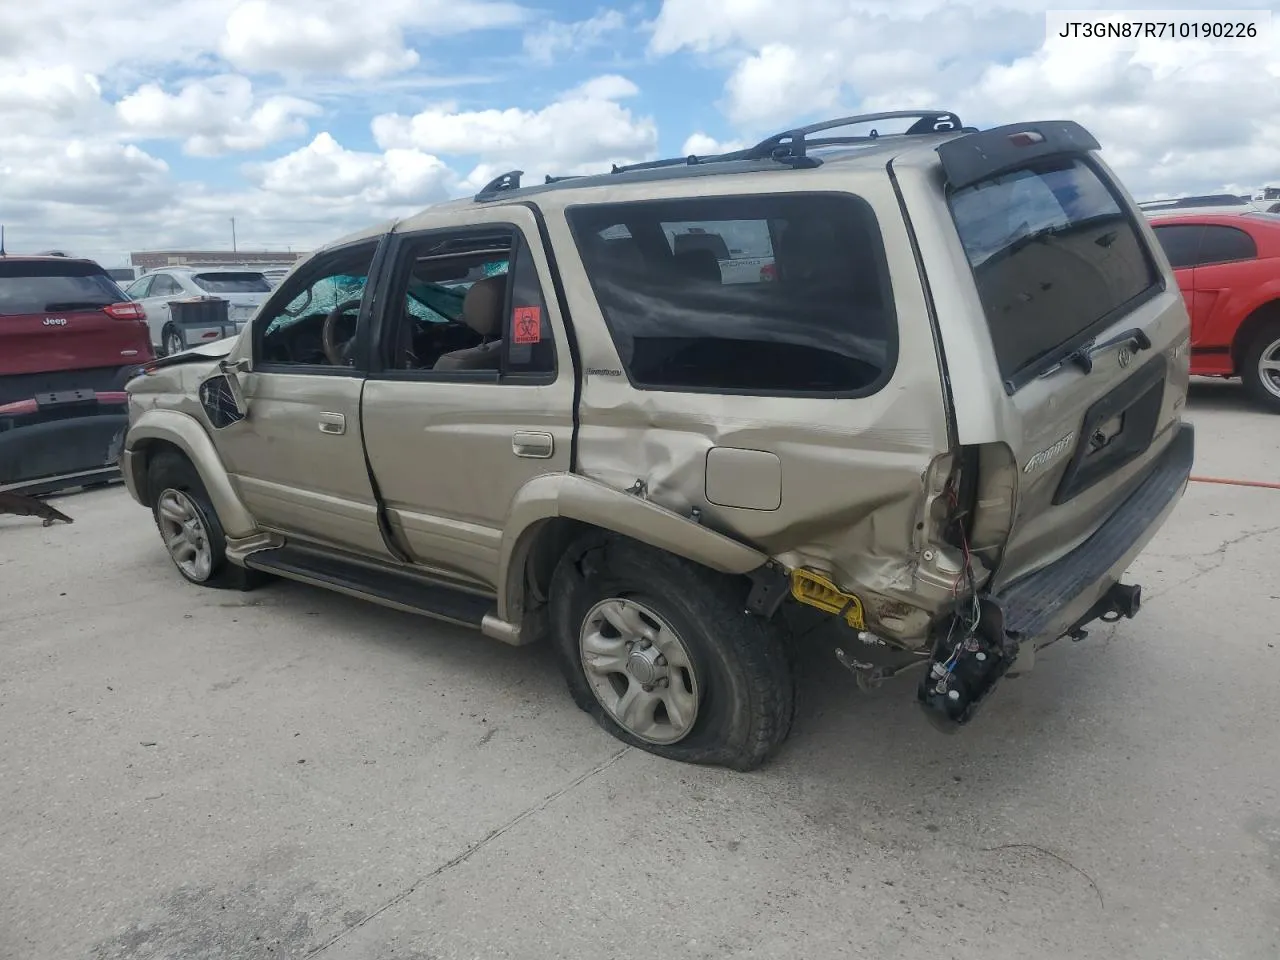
69, 341
1228, 268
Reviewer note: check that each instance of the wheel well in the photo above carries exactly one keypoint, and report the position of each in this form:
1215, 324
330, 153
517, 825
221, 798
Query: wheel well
1268, 312
146, 451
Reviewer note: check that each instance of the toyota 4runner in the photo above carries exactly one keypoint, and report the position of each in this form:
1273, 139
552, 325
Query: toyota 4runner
927, 383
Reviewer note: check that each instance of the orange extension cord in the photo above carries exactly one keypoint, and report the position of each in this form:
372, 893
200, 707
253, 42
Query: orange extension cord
1237, 483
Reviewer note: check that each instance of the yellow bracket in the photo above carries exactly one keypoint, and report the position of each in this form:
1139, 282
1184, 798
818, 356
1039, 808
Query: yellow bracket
817, 591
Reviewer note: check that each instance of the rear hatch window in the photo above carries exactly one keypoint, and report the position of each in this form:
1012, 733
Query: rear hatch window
29, 287
1060, 226
232, 282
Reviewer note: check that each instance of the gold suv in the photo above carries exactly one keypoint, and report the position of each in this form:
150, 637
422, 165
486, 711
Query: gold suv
927, 384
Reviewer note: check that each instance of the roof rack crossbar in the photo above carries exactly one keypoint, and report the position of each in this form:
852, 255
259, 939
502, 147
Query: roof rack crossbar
500, 184
791, 146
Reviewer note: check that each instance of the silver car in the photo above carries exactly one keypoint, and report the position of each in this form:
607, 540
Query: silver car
244, 291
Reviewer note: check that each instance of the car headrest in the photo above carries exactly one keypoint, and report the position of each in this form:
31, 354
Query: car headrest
697, 264
482, 306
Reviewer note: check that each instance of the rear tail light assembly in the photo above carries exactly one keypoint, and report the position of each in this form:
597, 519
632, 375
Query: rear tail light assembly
124, 311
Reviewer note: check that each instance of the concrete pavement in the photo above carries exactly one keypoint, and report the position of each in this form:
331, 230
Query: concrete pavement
188, 773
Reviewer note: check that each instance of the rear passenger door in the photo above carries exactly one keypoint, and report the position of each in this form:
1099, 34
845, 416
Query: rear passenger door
452, 441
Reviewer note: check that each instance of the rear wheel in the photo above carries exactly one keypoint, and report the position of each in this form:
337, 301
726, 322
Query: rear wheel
189, 525
661, 652
1260, 366
170, 341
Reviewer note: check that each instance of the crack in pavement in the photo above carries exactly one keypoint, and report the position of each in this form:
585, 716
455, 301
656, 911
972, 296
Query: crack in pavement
472, 849
1216, 557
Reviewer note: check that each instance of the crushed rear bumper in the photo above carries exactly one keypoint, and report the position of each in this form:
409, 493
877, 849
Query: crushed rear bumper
1057, 600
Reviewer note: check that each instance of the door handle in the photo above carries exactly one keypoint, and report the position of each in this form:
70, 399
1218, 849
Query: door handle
333, 423
530, 443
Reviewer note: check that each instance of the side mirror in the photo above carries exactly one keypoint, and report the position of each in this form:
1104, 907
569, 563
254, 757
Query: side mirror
231, 369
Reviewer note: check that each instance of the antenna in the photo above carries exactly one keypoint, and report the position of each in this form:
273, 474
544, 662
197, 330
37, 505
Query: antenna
2, 253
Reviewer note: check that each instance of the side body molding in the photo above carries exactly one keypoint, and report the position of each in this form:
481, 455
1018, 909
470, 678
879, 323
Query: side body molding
575, 497
185, 433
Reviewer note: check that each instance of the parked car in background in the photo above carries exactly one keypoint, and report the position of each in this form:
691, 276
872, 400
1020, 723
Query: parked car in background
1209, 203
244, 291
1228, 269
69, 341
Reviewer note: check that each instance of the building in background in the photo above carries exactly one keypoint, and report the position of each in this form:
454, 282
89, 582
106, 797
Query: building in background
155, 259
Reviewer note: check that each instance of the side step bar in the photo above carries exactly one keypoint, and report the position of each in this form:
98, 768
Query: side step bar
385, 586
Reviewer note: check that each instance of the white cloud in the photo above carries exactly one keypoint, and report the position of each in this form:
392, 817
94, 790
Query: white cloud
1170, 116
585, 126
59, 92
214, 116
347, 37
555, 41
701, 145
327, 172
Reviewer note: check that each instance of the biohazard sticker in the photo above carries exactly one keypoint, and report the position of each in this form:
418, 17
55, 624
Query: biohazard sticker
527, 322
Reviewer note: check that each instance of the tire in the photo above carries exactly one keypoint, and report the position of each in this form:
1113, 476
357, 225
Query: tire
172, 481
738, 672
1264, 347
170, 342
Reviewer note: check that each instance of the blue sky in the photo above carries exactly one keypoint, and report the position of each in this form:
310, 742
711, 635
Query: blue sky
132, 124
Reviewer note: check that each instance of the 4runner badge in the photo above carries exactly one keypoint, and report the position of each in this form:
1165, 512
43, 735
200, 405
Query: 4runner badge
1048, 454
55, 321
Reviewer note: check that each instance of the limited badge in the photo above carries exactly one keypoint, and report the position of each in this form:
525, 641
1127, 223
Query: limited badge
527, 324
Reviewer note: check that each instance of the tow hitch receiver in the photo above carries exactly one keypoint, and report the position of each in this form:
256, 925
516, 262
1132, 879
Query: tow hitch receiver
971, 654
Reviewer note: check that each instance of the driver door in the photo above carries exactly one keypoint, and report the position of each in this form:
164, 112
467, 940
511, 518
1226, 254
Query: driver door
297, 459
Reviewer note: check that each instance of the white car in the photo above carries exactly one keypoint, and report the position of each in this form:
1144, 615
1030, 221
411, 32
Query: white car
244, 291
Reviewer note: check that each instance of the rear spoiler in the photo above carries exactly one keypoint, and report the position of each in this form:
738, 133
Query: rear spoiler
988, 153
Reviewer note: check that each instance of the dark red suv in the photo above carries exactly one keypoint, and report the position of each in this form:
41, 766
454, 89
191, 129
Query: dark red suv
1228, 268
69, 341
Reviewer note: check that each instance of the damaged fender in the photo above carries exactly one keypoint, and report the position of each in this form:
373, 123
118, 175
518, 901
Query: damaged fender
185, 433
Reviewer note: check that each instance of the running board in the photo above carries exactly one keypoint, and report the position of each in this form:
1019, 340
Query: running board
385, 586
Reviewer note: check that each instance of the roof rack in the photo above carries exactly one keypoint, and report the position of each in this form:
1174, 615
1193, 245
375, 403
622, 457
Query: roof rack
500, 184
791, 146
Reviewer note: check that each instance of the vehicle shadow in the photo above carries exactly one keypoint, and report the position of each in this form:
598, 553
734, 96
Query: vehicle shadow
855, 743
1216, 394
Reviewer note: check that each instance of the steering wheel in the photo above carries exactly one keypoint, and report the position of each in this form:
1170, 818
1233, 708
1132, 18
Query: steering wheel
328, 336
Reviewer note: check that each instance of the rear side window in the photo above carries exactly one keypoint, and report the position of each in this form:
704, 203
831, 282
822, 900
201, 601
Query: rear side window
1180, 243
1054, 257
35, 287
232, 282
1225, 245
768, 295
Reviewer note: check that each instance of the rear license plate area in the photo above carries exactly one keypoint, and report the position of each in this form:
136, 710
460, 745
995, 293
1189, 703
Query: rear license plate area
1118, 428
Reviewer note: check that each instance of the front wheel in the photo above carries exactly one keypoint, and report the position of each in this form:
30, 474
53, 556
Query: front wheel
189, 525
1260, 367
662, 653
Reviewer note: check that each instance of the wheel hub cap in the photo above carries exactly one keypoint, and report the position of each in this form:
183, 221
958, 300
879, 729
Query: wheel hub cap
639, 670
646, 666
185, 536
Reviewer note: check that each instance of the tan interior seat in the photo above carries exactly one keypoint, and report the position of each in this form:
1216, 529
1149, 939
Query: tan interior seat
482, 312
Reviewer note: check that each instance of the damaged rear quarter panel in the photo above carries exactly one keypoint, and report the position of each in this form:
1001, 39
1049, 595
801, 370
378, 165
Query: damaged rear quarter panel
854, 472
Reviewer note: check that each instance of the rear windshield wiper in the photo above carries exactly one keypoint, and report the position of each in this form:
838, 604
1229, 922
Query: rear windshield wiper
76, 305
1083, 356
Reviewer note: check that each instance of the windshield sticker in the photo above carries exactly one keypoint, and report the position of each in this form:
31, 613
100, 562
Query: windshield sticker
527, 323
